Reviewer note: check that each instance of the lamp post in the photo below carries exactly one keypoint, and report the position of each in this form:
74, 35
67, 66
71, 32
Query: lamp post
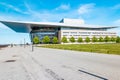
24, 42
31, 35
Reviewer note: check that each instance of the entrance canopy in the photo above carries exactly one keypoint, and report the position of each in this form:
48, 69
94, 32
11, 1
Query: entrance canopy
26, 27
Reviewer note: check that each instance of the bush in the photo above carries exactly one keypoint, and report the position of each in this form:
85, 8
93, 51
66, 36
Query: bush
87, 39
113, 39
72, 39
106, 39
118, 39
94, 39
80, 39
101, 39
64, 39
46, 39
55, 40
36, 40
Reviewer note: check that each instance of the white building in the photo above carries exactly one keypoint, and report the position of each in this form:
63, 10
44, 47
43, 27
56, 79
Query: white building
85, 31
66, 27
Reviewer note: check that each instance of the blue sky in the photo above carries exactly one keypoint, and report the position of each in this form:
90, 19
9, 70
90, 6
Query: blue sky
98, 12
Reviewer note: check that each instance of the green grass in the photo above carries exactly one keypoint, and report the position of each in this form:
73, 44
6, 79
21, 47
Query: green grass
98, 48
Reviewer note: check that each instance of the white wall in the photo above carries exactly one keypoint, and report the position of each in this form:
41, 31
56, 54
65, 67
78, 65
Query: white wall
86, 33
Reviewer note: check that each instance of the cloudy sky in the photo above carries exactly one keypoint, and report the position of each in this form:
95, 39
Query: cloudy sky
97, 12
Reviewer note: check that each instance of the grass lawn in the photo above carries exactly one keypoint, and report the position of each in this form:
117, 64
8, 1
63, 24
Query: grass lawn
98, 48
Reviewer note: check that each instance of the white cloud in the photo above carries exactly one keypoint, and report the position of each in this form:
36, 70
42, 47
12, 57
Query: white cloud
45, 15
42, 15
63, 7
116, 6
85, 8
117, 22
9, 6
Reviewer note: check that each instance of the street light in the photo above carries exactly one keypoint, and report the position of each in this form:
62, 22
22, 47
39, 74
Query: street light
31, 35
24, 42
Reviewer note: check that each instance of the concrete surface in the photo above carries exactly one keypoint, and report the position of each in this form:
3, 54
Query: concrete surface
19, 63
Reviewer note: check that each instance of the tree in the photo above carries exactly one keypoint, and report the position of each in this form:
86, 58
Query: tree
72, 39
94, 39
113, 39
64, 39
46, 39
36, 40
106, 39
80, 39
118, 39
87, 39
55, 40
101, 39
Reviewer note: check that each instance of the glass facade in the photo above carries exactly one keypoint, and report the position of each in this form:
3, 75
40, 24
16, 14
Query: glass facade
41, 32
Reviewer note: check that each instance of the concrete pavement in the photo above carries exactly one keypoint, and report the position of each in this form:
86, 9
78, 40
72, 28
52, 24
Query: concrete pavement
54, 64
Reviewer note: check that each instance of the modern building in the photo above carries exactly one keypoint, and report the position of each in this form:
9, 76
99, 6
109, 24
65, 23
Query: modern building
66, 27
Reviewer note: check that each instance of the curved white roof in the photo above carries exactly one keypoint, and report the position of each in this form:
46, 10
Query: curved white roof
25, 27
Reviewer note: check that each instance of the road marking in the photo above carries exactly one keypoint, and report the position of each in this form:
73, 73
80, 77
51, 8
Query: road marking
93, 74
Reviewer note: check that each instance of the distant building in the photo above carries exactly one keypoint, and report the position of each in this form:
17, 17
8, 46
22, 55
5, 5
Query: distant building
66, 27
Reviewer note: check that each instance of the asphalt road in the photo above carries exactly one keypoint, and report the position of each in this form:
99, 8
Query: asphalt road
19, 63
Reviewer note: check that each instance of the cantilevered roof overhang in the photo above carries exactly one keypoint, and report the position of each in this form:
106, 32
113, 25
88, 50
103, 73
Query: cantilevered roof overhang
25, 27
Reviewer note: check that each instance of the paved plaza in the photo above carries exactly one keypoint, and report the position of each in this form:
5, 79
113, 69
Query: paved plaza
19, 63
